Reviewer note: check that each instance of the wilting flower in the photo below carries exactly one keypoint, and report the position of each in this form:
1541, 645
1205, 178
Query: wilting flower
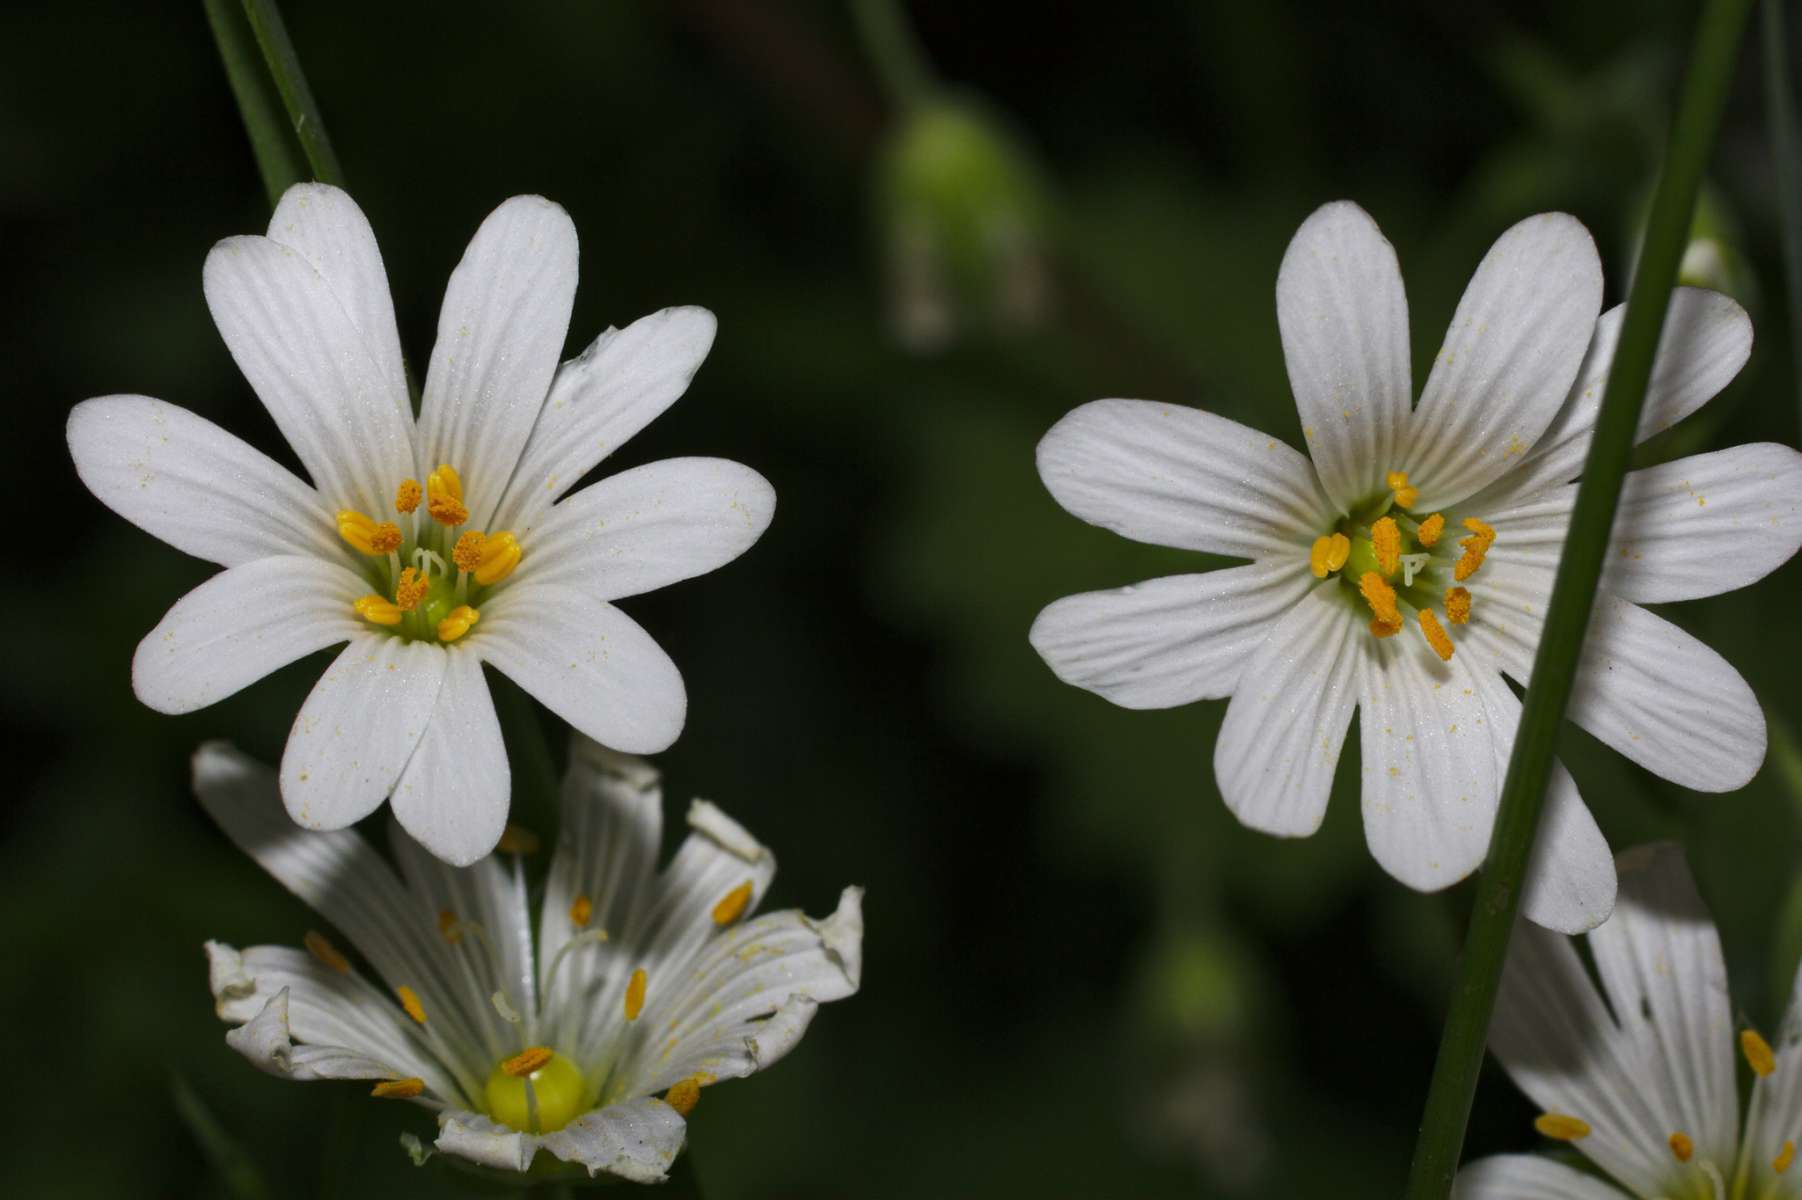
592, 1043
1639, 1076
1407, 567
431, 546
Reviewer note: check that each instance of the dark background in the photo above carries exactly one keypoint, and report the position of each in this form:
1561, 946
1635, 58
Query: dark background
1083, 977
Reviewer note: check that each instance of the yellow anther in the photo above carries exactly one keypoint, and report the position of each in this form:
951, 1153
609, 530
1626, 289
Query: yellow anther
581, 911
500, 554
1430, 529
684, 1095
1437, 638
635, 995
457, 622
448, 928
1381, 598
322, 949
527, 1061
1682, 1145
517, 839
1382, 629
1317, 556
1397, 482
366, 534
411, 589
1386, 540
1561, 1128
409, 1000
1482, 536
1338, 552
1758, 1052
1457, 605
397, 1089
444, 496
378, 609
732, 905
1784, 1158
406, 496
468, 551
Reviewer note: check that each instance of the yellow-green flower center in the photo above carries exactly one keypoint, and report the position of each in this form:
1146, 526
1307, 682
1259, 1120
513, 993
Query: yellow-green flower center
537, 1091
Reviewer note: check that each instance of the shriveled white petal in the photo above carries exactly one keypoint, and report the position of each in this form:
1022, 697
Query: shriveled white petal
328, 229
453, 795
358, 727
1529, 1177
242, 624
266, 1041
311, 367
1508, 360
183, 479
1430, 779
586, 661
1344, 320
650, 527
1169, 641
500, 333
599, 399
1280, 742
1176, 476
637, 1140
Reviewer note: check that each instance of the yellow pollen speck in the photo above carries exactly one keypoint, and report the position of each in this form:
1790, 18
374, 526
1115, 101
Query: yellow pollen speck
526, 1061
1561, 1128
1457, 605
635, 995
398, 1089
732, 905
500, 554
409, 1000
1758, 1052
411, 589
1785, 1157
377, 609
1397, 482
684, 1095
1430, 529
367, 535
1437, 638
456, 622
1317, 556
1682, 1145
1386, 540
581, 911
517, 839
406, 496
1381, 598
468, 552
320, 948
447, 927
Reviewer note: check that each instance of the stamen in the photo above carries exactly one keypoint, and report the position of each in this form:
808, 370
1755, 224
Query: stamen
1430, 529
1561, 1128
1381, 629
500, 554
504, 1007
409, 1000
1758, 1052
467, 553
1386, 540
406, 496
1785, 1157
1381, 598
1682, 1145
457, 622
1317, 556
517, 839
367, 535
581, 911
684, 1095
1397, 482
1437, 638
398, 1089
732, 905
527, 1061
411, 589
1338, 552
1457, 605
444, 496
1475, 547
448, 928
635, 994
320, 948
378, 609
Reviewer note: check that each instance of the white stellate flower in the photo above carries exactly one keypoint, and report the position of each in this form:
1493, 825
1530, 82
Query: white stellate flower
430, 546
1406, 568
591, 1042
1639, 1074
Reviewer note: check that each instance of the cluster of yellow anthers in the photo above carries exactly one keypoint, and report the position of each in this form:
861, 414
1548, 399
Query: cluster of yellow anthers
1563, 1127
440, 604
1381, 552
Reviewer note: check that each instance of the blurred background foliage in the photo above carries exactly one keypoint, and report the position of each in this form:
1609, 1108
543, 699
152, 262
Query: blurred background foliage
1084, 978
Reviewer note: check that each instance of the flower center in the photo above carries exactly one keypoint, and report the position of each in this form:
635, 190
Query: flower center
1392, 563
432, 576
536, 1091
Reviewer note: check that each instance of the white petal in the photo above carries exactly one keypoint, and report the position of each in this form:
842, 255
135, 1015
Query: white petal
1176, 476
650, 527
599, 399
183, 479
588, 662
1509, 358
1168, 641
358, 727
1344, 319
505, 315
637, 1140
453, 795
1430, 777
265, 1040
312, 369
1529, 1177
1280, 742
328, 229
239, 626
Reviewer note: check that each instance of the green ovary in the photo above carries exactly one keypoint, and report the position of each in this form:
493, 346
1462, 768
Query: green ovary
558, 1093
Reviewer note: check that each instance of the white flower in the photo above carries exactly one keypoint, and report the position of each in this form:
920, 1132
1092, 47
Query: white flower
1407, 567
1640, 1076
478, 563
642, 988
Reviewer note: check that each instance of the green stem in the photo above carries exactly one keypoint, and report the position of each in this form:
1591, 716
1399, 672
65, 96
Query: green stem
291, 82
1780, 114
1555, 664
530, 760
889, 40
278, 158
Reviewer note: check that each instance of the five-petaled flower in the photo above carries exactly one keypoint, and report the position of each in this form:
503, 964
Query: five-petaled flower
1639, 1076
433, 545
592, 1043
1406, 568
